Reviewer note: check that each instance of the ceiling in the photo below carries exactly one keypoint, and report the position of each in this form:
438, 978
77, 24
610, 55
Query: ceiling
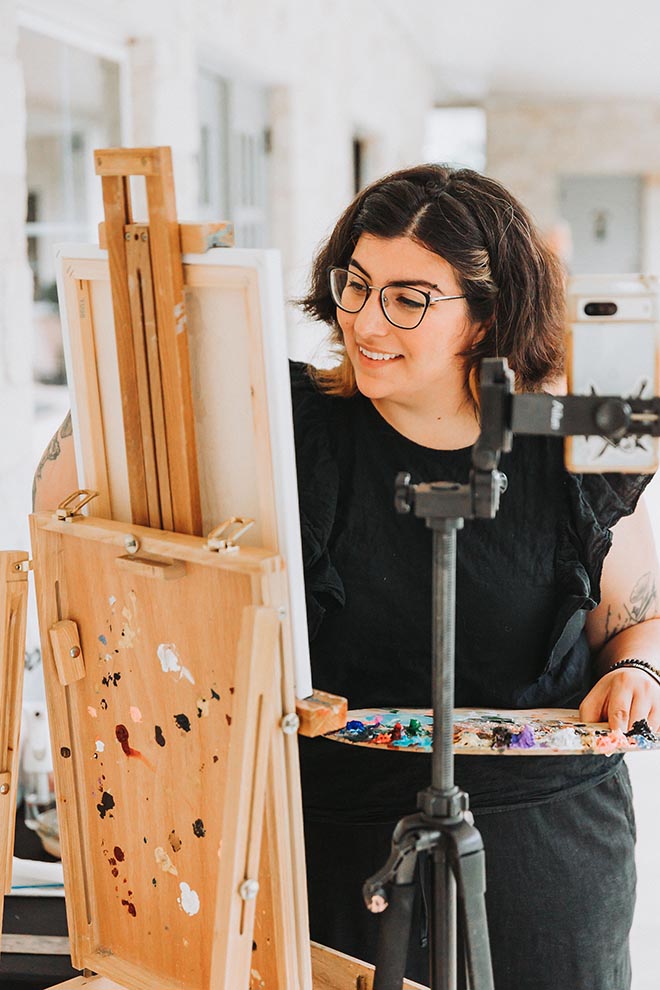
565, 49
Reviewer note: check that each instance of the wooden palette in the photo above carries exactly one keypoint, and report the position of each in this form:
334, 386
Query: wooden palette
163, 681
491, 732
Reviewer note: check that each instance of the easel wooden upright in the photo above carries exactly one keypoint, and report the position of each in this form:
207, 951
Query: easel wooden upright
169, 675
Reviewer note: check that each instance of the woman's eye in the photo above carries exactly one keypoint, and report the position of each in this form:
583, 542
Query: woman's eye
410, 302
356, 286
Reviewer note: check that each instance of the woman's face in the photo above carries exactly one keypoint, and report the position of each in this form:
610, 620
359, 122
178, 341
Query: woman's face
406, 366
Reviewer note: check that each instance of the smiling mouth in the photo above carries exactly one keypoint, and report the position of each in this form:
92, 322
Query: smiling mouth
378, 355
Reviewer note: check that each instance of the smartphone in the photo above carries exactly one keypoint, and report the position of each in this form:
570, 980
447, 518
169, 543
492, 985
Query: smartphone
613, 349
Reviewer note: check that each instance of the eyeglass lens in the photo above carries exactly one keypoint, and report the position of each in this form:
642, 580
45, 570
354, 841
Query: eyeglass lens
403, 305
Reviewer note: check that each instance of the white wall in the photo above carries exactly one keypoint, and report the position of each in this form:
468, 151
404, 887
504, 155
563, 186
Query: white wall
531, 144
15, 295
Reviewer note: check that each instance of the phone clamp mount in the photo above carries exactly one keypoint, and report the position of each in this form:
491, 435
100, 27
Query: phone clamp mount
442, 828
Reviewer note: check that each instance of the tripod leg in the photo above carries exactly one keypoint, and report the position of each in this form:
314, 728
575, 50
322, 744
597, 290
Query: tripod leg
443, 920
393, 938
471, 880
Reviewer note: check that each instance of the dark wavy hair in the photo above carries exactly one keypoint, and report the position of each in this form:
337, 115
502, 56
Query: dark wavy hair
512, 281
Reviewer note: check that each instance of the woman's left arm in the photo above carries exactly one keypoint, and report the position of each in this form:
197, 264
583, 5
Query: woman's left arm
626, 625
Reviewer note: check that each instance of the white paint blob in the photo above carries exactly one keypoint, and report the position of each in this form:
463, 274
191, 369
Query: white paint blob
136, 714
164, 861
92, 711
189, 900
170, 661
100, 746
111, 600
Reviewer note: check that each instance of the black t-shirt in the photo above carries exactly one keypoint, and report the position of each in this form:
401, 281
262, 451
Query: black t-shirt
524, 583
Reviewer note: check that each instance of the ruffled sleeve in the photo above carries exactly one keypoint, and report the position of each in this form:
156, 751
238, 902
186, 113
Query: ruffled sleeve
598, 502
318, 492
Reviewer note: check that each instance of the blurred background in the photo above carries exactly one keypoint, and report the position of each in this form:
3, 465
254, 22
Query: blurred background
277, 112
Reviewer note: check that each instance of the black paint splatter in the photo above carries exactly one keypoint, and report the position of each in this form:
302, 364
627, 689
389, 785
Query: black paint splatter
103, 704
183, 722
106, 805
198, 828
200, 709
643, 729
111, 679
160, 738
153, 880
65, 752
215, 695
501, 737
216, 758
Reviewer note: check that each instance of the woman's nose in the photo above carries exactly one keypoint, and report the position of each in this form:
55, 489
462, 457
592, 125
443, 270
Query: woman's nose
371, 318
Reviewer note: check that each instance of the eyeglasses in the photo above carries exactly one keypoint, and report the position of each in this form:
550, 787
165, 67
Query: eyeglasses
403, 305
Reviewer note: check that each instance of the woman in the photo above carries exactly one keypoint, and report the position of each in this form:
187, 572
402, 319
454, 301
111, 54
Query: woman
428, 271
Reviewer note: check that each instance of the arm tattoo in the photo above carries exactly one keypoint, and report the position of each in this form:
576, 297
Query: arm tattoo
52, 452
642, 603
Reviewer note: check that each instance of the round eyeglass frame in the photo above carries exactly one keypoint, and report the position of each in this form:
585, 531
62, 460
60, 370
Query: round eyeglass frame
428, 298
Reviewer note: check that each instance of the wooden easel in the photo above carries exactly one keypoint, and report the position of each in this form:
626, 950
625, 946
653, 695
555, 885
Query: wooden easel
14, 567
263, 777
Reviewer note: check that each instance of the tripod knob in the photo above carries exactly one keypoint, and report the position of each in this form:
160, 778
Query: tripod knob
403, 493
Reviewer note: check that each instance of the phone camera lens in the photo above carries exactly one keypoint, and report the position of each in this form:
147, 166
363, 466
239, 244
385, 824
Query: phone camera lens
600, 309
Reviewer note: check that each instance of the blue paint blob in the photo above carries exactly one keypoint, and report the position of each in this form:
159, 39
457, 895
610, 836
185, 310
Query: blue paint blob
354, 726
103, 640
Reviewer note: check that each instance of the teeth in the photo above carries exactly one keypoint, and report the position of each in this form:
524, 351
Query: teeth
376, 355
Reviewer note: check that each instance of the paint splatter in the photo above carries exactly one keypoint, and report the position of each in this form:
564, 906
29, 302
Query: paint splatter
100, 746
189, 900
103, 640
216, 758
170, 661
228, 717
121, 732
106, 805
92, 711
119, 854
130, 907
198, 828
183, 722
111, 600
136, 714
202, 708
164, 861
103, 704
111, 679
160, 738
174, 841
215, 695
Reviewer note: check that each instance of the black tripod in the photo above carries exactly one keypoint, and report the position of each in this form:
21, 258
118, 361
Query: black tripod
459, 934
440, 828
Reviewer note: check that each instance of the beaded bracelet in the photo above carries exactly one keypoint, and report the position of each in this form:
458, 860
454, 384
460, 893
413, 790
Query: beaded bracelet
639, 664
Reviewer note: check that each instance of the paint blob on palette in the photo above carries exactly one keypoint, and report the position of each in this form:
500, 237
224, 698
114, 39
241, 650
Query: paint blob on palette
497, 732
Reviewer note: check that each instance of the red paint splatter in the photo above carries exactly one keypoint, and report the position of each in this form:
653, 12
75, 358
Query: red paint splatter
130, 907
121, 733
119, 854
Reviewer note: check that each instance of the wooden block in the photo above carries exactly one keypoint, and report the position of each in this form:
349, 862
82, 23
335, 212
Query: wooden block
194, 238
332, 970
88, 982
127, 161
321, 713
67, 651
162, 568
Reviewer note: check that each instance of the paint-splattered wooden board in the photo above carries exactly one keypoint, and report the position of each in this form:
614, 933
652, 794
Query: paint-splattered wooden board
496, 732
161, 721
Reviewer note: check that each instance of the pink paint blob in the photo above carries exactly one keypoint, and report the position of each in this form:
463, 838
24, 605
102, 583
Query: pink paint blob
136, 714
